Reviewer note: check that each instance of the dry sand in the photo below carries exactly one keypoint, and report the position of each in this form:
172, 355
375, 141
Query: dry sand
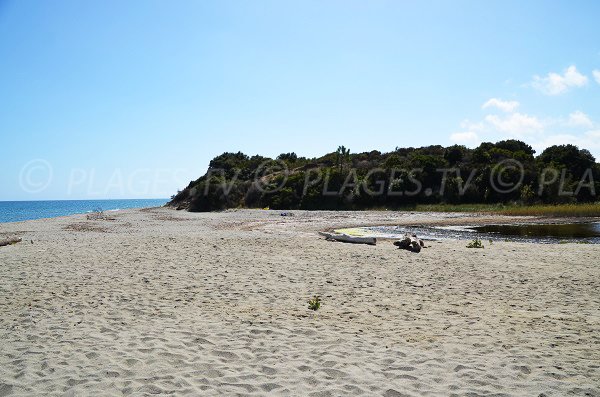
163, 302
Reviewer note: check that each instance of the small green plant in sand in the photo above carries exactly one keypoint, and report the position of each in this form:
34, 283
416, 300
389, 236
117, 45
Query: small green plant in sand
475, 244
314, 303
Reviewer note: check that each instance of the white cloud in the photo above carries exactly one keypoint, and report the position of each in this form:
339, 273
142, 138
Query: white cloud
589, 141
468, 137
540, 131
516, 124
579, 119
506, 106
594, 135
559, 139
556, 84
468, 125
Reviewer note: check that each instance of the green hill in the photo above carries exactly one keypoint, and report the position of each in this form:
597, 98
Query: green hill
503, 172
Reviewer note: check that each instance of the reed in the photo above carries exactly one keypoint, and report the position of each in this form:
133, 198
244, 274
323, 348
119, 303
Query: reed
562, 210
549, 210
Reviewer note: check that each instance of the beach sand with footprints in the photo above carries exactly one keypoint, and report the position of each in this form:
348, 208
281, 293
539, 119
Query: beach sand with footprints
164, 302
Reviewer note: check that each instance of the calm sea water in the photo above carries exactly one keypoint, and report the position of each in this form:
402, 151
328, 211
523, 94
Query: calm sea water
14, 211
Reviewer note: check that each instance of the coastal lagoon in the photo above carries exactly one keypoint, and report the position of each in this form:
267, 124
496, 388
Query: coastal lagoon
584, 232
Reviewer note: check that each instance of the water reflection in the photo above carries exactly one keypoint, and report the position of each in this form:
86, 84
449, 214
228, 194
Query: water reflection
541, 233
564, 231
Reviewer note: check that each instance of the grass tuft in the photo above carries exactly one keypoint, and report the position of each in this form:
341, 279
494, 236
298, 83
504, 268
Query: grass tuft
314, 303
560, 210
563, 210
475, 244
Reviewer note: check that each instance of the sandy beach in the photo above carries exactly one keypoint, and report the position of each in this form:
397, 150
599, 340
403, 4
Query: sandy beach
165, 302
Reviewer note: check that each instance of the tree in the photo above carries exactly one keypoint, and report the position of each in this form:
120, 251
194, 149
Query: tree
573, 165
514, 145
288, 157
455, 154
406, 176
342, 157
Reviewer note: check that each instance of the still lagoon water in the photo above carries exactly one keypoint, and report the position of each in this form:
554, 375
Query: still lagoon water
588, 232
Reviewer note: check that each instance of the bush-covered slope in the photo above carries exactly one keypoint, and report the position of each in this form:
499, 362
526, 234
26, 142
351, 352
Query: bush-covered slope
502, 172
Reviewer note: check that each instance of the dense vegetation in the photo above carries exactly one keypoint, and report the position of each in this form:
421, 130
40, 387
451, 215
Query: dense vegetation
506, 172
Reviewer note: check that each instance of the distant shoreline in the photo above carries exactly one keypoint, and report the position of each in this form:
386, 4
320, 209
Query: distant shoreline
18, 211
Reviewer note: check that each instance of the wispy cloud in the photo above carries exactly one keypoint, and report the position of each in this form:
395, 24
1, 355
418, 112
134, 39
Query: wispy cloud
556, 84
594, 135
515, 124
504, 119
539, 132
579, 119
588, 140
505, 106
465, 138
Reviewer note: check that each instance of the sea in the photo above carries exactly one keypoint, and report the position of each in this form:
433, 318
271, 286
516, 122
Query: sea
15, 211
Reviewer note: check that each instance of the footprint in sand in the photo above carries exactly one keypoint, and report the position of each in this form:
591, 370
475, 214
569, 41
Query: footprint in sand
407, 377
522, 368
393, 393
268, 387
334, 373
225, 354
5, 389
131, 362
213, 373
268, 370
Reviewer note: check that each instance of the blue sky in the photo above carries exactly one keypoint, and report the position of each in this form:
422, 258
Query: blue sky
119, 99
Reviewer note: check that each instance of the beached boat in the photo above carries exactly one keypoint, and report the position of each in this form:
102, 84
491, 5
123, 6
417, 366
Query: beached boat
349, 239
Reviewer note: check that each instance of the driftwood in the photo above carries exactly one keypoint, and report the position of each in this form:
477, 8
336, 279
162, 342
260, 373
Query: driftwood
410, 242
10, 241
345, 238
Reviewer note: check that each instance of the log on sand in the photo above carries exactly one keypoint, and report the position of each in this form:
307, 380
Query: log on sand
10, 241
410, 242
345, 238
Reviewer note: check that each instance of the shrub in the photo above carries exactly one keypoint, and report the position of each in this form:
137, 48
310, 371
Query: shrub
475, 244
314, 303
